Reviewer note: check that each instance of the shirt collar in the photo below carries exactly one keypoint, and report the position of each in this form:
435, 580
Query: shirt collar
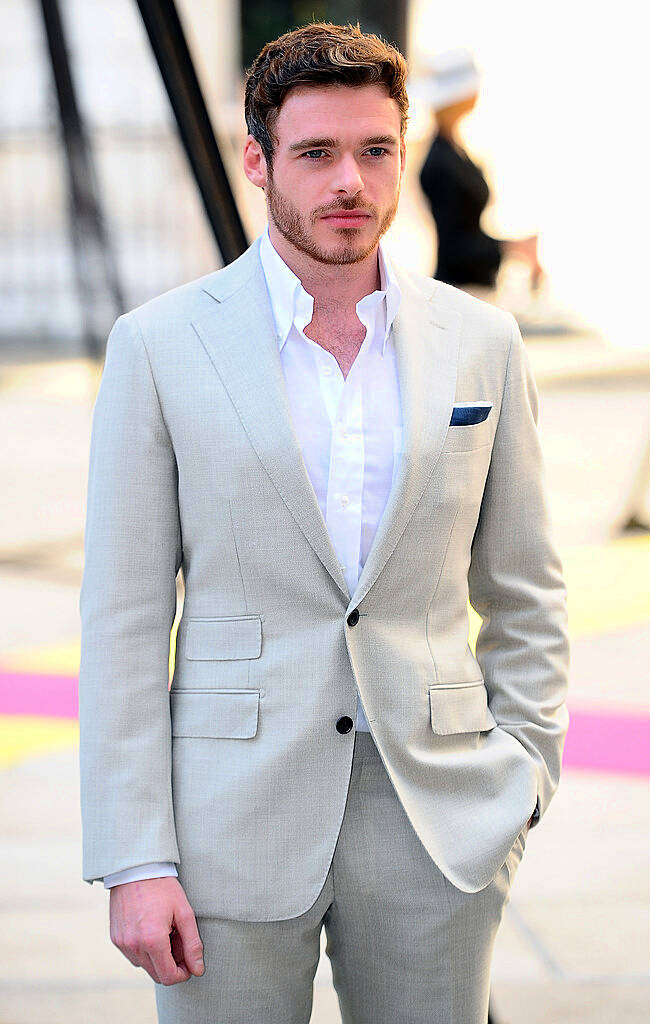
291, 304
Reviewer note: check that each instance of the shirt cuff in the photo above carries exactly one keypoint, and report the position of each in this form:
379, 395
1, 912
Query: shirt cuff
157, 869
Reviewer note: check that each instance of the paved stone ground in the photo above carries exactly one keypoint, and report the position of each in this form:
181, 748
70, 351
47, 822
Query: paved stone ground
573, 946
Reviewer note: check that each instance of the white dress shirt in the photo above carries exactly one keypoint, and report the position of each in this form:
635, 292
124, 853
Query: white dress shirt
349, 429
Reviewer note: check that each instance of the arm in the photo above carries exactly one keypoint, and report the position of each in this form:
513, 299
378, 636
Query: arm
516, 586
128, 600
127, 605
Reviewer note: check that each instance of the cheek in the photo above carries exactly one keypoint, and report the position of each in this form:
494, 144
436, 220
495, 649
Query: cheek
301, 193
384, 186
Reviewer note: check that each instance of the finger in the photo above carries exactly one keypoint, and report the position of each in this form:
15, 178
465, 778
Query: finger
191, 945
177, 948
148, 966
137, 955
139, 958
162, 961
130, 949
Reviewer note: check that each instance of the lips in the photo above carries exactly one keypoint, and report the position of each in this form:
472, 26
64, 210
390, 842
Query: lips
351, 218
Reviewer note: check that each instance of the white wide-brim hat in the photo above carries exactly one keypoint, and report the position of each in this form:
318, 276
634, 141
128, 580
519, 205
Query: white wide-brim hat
448, 77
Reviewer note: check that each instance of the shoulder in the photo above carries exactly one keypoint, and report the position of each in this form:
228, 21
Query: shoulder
177, 305
177, 308
440, 149
476, 315
442, 156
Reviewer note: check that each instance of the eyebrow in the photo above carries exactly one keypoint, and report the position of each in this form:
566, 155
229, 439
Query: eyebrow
373, 140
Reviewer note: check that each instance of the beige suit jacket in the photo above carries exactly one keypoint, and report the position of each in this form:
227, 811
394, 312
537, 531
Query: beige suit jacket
239, 774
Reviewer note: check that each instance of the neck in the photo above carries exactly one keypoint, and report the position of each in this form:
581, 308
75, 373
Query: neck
332, 285
447, 125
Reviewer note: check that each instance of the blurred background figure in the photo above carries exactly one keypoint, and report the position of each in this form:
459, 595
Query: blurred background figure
456, 187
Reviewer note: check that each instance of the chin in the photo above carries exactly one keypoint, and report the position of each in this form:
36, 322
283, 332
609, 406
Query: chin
349, 238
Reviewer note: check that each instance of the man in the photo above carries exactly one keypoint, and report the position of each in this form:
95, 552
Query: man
338, 454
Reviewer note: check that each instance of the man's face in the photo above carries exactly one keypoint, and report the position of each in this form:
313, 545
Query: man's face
333, 188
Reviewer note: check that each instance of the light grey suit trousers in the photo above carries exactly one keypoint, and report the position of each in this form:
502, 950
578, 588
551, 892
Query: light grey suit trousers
406, 946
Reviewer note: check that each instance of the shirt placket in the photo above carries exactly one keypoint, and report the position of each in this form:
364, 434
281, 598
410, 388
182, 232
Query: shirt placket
346, 480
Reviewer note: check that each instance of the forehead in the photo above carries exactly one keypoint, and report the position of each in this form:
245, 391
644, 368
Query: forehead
337, 111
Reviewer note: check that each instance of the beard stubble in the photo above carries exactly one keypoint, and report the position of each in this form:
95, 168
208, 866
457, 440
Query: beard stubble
294, 226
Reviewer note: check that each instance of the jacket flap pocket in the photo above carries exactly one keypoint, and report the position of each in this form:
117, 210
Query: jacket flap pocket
227, 638
215, 713
460, 707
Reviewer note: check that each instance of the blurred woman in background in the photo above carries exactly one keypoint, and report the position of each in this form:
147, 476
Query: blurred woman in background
457, 190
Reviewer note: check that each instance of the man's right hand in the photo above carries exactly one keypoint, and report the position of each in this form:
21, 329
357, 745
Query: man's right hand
153, 924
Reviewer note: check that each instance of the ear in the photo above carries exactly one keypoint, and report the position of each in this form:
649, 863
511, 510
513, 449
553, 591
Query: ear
402, 156
255, 167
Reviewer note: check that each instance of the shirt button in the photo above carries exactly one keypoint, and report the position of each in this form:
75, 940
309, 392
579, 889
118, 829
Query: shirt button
327, 371
344, 500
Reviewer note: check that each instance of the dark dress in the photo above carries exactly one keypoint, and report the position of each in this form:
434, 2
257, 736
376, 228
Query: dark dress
458, 193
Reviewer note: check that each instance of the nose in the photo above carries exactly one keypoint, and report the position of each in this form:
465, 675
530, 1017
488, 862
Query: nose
348, 178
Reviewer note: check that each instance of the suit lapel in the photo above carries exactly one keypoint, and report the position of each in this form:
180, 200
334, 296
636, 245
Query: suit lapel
239, 337
426, 337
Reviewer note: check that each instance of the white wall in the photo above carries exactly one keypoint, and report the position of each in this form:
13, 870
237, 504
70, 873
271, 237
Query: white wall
560, 128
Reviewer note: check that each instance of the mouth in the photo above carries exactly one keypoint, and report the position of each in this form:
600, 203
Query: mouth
346, 218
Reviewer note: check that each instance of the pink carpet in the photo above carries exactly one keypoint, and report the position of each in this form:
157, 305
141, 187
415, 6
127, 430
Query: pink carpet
605, 742
597, 740
23, 693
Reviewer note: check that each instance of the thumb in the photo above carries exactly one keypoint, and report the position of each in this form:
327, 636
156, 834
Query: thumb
186, 942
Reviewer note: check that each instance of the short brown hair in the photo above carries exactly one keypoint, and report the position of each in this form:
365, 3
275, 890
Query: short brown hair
319, 54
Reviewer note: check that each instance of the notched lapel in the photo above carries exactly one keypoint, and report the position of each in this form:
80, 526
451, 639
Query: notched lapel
239, 337
427, 338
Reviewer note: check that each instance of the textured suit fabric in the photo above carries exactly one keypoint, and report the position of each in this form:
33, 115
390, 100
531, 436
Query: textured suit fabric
404, 943
239, 775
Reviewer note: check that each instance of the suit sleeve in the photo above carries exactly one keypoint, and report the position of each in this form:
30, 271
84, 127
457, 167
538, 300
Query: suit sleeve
127, 605
516, 585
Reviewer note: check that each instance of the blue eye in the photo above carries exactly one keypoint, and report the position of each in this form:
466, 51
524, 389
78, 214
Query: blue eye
377, 150
311, 152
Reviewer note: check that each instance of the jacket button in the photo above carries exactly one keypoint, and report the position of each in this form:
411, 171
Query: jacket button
344, 724
353, 617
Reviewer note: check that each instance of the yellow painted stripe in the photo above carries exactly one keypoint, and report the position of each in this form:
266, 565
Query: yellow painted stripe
607, 586
62, 660
24, 736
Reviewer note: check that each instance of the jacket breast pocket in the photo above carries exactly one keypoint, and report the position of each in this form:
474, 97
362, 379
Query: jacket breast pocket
468, 437
460, 707
216, 714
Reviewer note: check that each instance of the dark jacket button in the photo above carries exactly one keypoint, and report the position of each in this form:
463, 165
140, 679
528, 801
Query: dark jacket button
353, 617
344, 724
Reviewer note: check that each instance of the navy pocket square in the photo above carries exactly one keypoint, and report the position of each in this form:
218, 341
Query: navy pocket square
467, 413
